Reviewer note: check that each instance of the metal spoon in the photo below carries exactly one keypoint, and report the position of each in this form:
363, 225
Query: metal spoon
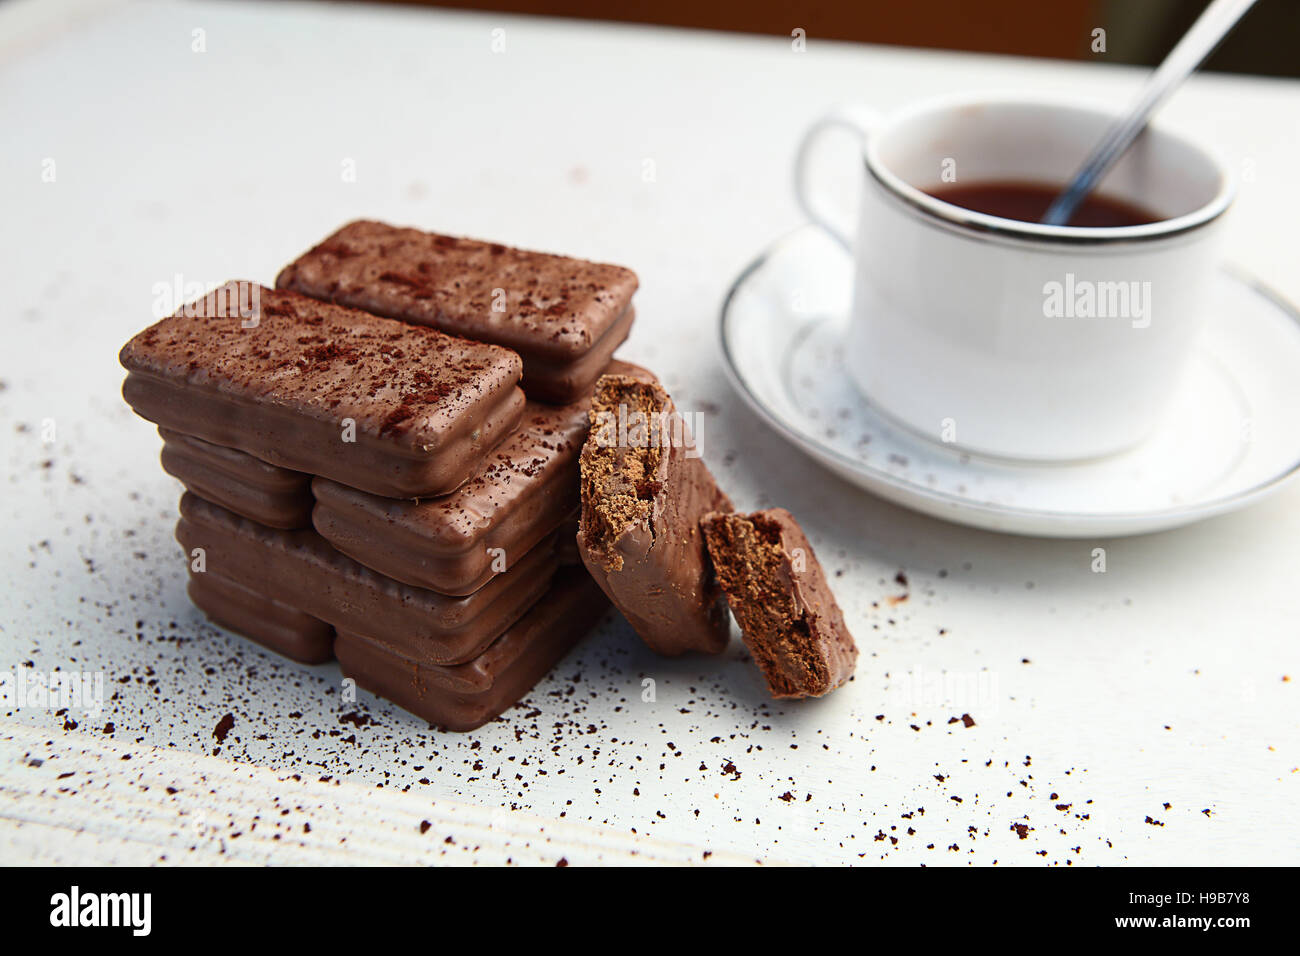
1197, 43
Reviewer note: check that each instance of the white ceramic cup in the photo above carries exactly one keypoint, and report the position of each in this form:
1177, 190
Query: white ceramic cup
1010, 338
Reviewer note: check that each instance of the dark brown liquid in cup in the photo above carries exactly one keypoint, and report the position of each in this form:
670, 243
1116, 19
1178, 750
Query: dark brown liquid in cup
1028, 202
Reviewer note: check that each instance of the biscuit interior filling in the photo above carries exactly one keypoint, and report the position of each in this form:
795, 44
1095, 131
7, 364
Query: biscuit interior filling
618, 468
755, 572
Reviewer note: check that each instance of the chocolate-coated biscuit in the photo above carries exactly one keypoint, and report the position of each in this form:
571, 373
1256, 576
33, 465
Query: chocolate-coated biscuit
778, 591
468, 695
644, 490
274, 625
248, 486
387, 407
566, 380
301, 569
565, 317
526, 488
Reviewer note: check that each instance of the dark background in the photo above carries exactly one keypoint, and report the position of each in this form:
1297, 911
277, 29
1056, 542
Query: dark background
1137, 31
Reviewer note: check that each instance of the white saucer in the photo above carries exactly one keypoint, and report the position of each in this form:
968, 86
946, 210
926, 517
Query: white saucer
1231, 436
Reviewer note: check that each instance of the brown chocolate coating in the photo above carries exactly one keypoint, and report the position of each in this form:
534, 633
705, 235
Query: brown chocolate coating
274, 625
778, 591
468, 695
567, 380
526, 488
564, 316
426, 406
639, 534
302, 570
248, 486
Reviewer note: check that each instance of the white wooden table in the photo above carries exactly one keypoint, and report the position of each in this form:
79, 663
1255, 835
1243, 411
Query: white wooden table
1144, 715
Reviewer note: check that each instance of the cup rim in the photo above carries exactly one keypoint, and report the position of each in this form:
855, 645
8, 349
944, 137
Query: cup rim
968, 220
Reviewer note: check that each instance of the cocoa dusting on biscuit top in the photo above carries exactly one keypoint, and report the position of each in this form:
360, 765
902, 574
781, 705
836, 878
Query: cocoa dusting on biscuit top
563, 316
566, 301
304, 346
284, 377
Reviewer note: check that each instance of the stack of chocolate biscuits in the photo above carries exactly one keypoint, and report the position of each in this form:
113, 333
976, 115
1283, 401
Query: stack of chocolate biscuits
365, 477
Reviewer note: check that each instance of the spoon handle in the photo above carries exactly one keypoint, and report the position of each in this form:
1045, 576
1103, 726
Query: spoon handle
1197, 43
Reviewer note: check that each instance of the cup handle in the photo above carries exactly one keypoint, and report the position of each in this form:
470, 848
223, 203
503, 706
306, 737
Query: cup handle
859, 121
